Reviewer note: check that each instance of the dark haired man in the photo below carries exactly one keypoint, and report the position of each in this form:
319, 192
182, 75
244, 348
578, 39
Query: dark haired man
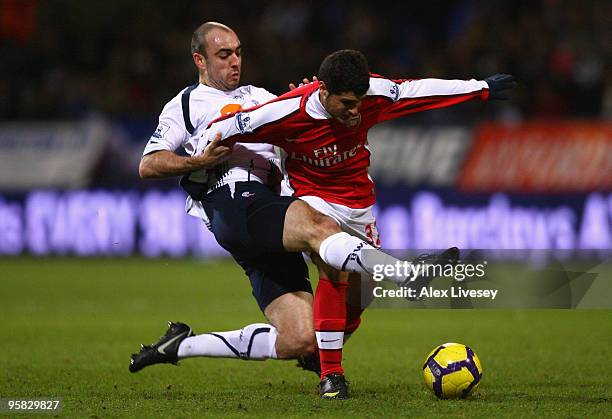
321, 129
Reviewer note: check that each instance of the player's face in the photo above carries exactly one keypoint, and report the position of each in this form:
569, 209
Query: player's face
223, 60
344, 107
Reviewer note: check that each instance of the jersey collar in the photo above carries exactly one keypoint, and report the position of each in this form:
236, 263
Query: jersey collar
314, 107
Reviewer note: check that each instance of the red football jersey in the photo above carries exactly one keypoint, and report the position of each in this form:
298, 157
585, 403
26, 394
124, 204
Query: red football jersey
321, 156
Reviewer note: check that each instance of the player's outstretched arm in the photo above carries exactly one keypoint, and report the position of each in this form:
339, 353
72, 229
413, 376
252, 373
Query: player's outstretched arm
163, 164
403, 97
271, 122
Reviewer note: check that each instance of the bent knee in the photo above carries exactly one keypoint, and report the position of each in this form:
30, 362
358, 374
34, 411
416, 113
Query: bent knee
305, 345
300, 345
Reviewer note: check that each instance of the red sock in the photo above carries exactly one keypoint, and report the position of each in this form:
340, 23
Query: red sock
353, 319
329, 322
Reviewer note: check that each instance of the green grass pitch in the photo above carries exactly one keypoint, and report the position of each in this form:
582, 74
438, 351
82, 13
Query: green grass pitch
69, 326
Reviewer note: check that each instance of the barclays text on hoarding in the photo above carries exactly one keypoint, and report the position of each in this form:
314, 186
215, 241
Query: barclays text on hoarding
154, 224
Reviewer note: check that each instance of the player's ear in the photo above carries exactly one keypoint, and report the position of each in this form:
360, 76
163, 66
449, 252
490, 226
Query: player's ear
199, 61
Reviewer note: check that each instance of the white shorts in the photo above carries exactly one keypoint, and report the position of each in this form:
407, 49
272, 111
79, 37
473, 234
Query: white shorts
358, 222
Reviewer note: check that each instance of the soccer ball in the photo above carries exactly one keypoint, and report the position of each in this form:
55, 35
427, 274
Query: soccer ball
452, 370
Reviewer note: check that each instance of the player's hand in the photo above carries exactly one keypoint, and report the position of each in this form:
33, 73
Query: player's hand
500, 86
304, 81
214, 153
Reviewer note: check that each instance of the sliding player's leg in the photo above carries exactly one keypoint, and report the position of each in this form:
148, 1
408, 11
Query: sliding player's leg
291, 315
289, 335
282, 290
249, 225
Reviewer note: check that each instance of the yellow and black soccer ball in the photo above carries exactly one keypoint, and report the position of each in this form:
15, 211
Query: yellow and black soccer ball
452, 370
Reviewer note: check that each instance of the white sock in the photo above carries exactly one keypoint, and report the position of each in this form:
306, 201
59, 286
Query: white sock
351, 254
330, 341
255, 341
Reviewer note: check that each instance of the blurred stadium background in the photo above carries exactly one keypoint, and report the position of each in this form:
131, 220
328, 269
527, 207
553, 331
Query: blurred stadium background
86, 246
81, 87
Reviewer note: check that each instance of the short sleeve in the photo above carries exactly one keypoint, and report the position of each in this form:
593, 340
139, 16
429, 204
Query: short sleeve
170, 133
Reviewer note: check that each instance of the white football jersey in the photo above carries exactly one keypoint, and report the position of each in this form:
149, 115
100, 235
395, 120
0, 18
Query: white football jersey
187, 115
